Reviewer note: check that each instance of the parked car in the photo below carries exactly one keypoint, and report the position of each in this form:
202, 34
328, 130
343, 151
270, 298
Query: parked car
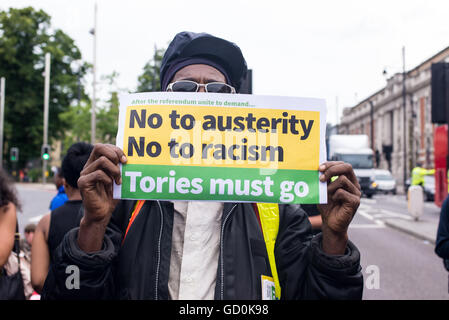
429, 187
385, 181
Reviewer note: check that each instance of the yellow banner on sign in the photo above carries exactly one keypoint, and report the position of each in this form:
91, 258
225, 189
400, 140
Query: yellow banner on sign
222, 136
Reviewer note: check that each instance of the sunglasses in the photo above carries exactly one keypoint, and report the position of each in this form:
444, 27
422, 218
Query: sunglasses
192, 86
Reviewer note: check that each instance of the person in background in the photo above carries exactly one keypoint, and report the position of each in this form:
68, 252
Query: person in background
418, 175
53, 226
61, 197
9, 264
9, 204
29, 231
25, 259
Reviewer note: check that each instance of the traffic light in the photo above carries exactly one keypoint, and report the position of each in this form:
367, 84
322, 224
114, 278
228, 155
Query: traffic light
440, 92
46, 152
14, 153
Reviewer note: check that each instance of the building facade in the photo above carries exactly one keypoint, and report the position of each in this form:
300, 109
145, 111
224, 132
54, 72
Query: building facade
397, 119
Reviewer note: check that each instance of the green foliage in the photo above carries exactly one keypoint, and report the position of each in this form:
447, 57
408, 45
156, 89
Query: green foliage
107, 116
107, 120
149, 80
25, 36
35, 174
79, 117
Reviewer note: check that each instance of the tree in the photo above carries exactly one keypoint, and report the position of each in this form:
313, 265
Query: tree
149, 80
107, 118
26, 36
107, 123
79, 116
107, 113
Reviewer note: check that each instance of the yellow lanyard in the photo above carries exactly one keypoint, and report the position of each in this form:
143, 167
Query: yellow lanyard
269, 219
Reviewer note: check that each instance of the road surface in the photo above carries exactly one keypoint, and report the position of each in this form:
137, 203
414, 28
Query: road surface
406, 267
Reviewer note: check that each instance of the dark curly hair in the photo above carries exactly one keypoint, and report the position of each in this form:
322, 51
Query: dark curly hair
74, 162
8, 193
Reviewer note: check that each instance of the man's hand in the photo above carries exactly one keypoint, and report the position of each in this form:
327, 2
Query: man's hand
96, 187
343, 199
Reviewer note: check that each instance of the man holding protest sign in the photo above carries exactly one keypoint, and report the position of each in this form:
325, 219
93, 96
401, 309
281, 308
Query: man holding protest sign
227, 247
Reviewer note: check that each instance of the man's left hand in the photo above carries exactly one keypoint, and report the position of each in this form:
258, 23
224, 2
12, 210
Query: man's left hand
343, 199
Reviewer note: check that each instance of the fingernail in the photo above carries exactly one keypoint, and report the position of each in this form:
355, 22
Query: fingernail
322, 178
124, 159
322, 167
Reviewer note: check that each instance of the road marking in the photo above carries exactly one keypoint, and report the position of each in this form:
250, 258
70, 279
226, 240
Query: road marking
391, 214
378, 223
378, 213
366, 226
364, 214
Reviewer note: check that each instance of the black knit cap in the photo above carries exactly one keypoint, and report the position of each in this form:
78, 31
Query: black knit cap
222, 53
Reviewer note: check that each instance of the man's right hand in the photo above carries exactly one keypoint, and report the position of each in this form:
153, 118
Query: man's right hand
96, 187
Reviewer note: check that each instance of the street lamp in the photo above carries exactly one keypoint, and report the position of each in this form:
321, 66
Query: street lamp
404, 113
404, 102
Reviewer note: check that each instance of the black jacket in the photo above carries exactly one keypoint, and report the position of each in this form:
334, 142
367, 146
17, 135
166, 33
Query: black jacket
139, 269
442, 241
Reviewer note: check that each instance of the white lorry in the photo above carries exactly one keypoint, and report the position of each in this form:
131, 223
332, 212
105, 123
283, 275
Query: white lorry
355, 150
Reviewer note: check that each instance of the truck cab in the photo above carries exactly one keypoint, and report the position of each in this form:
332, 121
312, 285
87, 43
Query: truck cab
354, 149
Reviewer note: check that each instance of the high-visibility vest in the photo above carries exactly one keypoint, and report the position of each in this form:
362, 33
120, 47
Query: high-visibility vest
269, 220
418, 176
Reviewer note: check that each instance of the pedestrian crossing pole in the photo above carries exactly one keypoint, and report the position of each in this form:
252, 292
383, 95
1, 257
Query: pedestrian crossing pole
46, 102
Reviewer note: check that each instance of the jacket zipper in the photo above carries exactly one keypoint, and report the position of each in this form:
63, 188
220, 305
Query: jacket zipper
221, 252
156, 297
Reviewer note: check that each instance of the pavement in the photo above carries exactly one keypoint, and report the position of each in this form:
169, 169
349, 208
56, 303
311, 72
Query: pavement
424, 229
36, 186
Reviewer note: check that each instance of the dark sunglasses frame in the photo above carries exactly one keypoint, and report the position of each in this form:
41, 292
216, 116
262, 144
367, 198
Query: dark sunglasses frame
198, 85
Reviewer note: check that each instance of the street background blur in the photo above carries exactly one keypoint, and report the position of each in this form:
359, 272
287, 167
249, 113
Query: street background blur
64, 63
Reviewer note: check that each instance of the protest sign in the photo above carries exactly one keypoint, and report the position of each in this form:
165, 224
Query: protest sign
221, 147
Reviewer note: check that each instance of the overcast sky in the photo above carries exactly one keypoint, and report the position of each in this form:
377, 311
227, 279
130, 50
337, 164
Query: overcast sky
330, 49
